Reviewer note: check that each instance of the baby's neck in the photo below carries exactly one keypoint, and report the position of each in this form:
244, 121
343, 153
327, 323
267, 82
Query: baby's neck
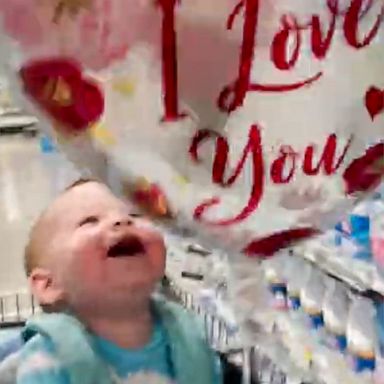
132, 330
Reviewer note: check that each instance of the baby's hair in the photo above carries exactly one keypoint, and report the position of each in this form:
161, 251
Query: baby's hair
31, 254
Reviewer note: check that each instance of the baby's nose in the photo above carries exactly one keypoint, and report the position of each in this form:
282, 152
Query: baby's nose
122, 221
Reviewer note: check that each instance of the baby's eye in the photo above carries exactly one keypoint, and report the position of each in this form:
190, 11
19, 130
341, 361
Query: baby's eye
89, 220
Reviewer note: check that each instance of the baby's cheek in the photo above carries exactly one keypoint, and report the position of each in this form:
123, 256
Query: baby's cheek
88, 245
85, 259
83, 279
145, 225
158, 256
152, 234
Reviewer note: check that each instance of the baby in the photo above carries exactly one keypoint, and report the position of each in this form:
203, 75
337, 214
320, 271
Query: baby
93, 265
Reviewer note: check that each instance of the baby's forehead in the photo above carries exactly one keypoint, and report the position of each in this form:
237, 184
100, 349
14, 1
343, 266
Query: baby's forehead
84, 198
69, 206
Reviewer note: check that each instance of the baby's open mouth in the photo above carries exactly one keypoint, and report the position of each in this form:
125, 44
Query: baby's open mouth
127, 247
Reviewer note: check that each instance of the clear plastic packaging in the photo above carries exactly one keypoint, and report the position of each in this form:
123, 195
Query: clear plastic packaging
377, 235
312, 296
296, 273
362, 335
274, 270
335, 311
250, 297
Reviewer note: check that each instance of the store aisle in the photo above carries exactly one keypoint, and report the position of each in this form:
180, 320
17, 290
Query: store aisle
28, 180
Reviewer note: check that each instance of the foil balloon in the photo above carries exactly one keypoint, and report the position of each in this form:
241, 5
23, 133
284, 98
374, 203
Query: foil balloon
252, 123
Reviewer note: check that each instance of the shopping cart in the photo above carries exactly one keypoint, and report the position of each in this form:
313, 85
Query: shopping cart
16, 308
254, 367
241, 365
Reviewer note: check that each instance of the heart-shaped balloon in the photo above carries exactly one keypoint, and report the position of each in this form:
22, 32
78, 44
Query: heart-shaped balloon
255, 123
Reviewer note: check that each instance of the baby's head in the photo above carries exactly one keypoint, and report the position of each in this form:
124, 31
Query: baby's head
91, 254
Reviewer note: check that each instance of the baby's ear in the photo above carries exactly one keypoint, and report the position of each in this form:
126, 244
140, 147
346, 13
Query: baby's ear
44, 288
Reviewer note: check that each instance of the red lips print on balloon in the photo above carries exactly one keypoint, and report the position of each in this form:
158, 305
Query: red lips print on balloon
59, 87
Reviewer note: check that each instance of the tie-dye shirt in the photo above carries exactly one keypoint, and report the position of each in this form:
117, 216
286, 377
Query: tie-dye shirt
149, 365
59, 349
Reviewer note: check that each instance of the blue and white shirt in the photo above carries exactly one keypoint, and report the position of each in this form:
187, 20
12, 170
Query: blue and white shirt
150, 365
60, 350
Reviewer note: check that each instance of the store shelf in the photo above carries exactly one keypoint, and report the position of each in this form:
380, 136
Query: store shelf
359, 275
13, 121
263, 363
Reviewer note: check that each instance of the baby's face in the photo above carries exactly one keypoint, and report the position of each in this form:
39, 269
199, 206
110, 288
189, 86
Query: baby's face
100, 251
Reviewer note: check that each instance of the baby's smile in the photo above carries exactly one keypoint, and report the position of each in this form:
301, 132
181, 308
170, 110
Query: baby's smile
129, 245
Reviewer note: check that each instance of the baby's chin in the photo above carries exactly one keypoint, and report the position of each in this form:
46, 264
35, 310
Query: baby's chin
133, 284
116, 296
